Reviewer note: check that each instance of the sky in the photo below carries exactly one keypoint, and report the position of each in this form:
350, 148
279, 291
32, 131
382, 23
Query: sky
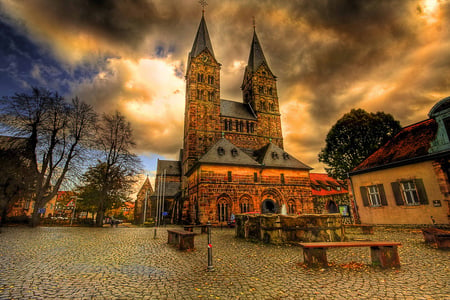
329, 57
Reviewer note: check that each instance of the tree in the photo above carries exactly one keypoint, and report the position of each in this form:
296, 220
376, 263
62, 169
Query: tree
117, 187
114, 140
354, 137
14, 173
57, 134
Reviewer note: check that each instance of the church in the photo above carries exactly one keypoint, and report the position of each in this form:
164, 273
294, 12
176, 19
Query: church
233, 159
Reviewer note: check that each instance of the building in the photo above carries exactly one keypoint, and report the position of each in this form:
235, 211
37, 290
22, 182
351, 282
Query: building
233, 159
406, 181
330, 196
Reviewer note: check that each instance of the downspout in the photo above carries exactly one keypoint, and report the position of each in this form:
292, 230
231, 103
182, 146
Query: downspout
355, 205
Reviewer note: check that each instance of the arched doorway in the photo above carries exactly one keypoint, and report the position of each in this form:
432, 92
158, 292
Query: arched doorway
269, 207
332, 207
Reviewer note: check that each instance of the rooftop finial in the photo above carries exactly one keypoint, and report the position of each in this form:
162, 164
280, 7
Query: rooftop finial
254, 23
203, 3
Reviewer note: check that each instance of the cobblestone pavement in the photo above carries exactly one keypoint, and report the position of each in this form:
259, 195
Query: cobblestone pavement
128, 263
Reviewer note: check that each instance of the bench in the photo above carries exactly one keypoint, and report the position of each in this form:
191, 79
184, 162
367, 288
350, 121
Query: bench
182, 239
384, 254
203, 228
366, 228
437, 236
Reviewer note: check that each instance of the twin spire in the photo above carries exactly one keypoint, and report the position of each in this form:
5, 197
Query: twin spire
202, 42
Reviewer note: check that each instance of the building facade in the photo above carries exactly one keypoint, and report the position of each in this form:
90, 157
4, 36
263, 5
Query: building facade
406, 181
233, 157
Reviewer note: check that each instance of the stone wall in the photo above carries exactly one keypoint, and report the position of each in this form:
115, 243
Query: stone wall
277, 229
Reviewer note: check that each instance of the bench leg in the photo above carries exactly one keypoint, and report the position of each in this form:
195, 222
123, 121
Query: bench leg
171, 238
186, 242
385, 257
315, 257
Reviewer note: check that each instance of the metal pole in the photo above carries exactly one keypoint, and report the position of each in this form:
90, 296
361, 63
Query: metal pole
157, 206
163, 194
210, 265
145, 207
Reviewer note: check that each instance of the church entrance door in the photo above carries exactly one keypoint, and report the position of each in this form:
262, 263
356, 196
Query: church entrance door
269, 207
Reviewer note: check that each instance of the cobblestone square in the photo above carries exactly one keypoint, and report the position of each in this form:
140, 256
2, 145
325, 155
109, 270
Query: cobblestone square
128, 263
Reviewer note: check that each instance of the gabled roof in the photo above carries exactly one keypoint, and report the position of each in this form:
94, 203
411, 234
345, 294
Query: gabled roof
172, 167
273, 156
256, 57
202, 40
224, 152
410, 143
235, 109
324, 185
146, 186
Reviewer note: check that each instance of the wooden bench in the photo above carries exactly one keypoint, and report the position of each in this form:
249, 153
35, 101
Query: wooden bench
437, 236
383, 254
182, 239
203, 228
366, 228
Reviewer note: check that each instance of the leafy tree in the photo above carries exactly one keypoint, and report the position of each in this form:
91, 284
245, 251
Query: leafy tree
56, 133
354, 137
101, 192
114, 141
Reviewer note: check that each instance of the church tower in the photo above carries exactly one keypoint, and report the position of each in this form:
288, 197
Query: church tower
202, 107
259, 90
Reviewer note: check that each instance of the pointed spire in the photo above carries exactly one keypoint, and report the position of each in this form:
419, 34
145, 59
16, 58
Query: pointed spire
202, 40
256, 57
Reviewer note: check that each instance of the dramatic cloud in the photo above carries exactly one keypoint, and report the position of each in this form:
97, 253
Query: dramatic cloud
329, 57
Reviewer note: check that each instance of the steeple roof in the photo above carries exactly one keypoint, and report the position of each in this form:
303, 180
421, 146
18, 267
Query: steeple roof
256, 57
201, 41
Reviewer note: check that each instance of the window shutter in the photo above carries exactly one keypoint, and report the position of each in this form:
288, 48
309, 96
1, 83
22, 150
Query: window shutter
382, 195
397, 193
423, 199
364, 195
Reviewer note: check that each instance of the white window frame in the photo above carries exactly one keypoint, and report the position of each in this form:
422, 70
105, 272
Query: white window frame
409, 191
374, 195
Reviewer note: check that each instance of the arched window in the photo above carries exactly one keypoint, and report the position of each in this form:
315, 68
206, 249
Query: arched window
226, 124
244, 204
241, 126
222, 210
291, 207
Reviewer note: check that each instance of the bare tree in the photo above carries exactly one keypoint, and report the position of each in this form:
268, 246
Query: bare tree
115, 141
56, 132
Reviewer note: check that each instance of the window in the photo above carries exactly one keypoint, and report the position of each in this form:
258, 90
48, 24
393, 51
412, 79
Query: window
211, 96
282, 178
409, 192
373, 195
200, 77
291, 207
255, 177
230, 177
226, 124
200, 94
210, 79
222, 211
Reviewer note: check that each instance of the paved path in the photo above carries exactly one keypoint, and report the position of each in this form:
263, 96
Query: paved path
127, 263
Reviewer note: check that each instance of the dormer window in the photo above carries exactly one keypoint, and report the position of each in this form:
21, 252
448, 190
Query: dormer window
220, 151
286, 156
234, 152
274, 155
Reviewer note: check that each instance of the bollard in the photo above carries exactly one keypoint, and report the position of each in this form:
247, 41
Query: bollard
210, 266
154, 233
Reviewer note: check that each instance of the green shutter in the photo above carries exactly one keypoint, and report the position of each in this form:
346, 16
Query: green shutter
382, 195
364, 196
423, 199
397, 193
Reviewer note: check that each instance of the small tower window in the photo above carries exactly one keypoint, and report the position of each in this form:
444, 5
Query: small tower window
282, 178
210, 79
200, 77
226, 124
230, 178
255, 177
